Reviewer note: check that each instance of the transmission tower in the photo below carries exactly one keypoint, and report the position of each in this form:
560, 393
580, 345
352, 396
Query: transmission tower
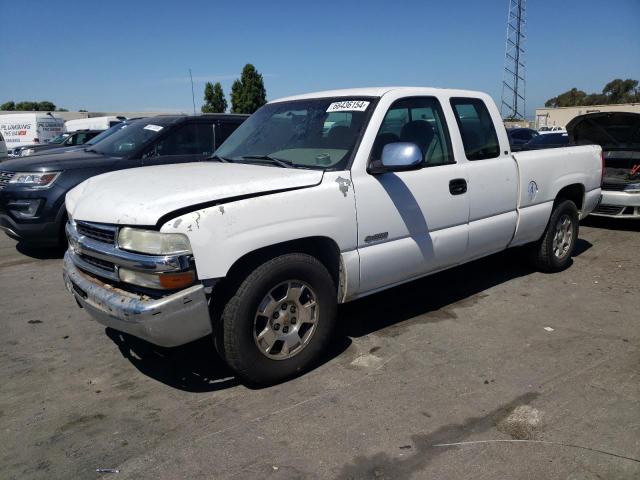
513, 80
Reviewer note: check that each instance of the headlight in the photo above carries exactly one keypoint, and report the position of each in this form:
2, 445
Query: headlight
35, 179
26, 152
152, 242
632, 188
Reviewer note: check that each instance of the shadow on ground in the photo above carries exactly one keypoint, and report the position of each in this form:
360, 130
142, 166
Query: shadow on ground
621, 224
389, 311
194, 367
40, 252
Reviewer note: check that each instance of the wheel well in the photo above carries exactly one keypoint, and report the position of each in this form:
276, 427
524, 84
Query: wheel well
323, 248
574, 192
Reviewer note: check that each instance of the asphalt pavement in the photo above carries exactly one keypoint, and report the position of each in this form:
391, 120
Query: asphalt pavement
530, 375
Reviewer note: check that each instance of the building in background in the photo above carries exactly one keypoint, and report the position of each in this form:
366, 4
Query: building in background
559, 117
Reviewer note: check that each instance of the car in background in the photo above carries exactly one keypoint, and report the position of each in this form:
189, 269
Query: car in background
102, 135
3, 148
66, 139
519, 136
550, 140
554, 129
92, 123
33, 189
618, 133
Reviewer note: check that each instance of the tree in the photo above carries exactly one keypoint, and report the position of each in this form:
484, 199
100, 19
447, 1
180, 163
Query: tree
569, 98
27, 106
8, 106
248, 93
214, 101
46, 106
62, 110
620, 91
236, 94
82, 110
616, 91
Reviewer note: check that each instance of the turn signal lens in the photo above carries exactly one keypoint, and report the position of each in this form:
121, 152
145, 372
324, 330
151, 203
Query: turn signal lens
175, 281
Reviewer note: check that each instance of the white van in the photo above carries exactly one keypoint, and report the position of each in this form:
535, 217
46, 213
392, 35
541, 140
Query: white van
20, 129
92, 123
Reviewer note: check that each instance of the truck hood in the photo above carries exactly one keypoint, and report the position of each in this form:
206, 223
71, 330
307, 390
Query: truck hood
610, 130
142, 196
55, 162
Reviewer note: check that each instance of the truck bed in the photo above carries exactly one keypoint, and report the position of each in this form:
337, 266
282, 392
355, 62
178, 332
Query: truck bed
543, 173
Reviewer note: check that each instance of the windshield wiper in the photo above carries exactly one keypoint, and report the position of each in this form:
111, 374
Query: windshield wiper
276, 161
91, 150
218, 158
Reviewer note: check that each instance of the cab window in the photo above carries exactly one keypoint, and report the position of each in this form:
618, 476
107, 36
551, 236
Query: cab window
476, 128
416, 120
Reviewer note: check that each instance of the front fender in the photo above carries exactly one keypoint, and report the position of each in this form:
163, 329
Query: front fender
223, 233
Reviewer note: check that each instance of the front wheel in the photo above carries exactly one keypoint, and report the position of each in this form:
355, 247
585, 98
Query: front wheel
552, 253
280, 319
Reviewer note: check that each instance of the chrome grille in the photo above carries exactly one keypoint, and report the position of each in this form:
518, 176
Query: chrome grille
618, 187
97, 262
101, 233
5, 177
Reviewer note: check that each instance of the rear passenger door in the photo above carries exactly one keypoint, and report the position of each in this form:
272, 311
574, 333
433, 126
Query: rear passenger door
189, 142
224, 128
413, 222
492, 178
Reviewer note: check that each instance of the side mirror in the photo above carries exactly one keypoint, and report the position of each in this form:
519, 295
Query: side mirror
398, 157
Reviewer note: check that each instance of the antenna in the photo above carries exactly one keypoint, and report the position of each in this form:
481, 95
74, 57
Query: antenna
193, 97
513, 80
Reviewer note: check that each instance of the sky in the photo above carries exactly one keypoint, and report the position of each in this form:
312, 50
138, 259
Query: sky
135, 55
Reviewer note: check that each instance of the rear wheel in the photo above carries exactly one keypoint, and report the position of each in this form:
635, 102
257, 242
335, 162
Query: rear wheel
552, 253
279, 320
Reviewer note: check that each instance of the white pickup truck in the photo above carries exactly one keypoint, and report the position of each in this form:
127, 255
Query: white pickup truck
316, 200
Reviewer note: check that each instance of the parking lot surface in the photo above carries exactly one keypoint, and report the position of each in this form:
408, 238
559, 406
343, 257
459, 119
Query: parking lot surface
487, 351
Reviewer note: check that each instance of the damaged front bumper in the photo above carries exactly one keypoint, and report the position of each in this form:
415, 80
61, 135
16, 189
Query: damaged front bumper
169, 321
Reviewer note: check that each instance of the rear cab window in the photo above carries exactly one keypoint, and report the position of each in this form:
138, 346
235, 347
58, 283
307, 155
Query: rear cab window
476, 128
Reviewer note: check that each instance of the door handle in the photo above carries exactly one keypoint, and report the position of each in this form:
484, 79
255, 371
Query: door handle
458, 186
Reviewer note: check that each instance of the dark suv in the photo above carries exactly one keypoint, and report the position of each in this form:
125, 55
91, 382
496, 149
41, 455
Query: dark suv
33, 189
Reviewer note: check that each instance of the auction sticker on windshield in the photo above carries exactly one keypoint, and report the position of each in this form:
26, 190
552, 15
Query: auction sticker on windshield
348, 106
155, 128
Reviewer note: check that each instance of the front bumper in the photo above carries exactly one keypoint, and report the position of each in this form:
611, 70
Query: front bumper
618, 205
45, 232
169, 321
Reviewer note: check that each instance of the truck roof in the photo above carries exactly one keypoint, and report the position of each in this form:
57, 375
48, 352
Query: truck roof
379, 92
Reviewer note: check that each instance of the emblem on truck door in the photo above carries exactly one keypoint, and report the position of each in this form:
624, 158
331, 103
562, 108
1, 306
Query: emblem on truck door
376, 238
532, 190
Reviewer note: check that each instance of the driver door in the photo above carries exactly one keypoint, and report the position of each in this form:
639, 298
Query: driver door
413, 222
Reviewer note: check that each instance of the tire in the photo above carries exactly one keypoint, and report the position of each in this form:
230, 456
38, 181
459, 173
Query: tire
552, 253
264, 308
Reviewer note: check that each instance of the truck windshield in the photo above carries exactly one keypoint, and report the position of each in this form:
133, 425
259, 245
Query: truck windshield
317, 133
129, 138
60, 138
